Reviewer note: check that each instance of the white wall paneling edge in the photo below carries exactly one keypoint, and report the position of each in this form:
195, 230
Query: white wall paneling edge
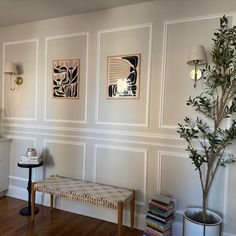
34, 171
34, 40
100, 32
89, 130
56, 141
18, 178
46, 76
116, 140
177, 226
160, 155
34, 139
164, 47
17, 192
128, 149
179, 212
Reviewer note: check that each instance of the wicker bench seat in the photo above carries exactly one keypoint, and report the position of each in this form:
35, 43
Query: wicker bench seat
89, 192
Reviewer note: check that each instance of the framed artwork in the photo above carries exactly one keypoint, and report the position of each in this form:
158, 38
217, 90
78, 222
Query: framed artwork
123, 76
66, 78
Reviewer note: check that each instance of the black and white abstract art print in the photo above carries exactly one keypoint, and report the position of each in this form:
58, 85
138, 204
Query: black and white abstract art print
123, 76
66, 78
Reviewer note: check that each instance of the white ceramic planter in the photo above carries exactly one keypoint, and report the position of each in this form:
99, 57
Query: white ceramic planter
194, 228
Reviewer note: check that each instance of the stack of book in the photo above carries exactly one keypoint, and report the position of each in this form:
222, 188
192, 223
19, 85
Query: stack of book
159, 217
32, 160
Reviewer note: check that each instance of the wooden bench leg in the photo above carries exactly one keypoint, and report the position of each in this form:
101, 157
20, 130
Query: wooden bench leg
132, 210
120, 217
32, 201
51, 201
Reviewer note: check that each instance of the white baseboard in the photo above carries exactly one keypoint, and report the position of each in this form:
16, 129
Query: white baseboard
17, 192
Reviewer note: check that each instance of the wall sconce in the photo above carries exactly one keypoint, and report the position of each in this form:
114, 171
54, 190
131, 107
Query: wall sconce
197, 57
11, 69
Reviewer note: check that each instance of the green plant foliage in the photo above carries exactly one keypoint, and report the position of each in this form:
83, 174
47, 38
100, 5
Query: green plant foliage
207, 137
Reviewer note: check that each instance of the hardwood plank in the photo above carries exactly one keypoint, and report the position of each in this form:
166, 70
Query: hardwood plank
51, 223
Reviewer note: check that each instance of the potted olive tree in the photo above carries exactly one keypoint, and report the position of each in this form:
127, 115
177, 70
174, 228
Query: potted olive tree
213, 130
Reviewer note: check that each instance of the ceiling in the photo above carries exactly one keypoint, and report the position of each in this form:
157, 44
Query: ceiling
21, 11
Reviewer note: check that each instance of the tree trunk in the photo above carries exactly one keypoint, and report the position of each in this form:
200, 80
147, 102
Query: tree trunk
204, 206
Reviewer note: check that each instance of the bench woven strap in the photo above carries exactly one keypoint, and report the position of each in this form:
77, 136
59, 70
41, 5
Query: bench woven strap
89, 192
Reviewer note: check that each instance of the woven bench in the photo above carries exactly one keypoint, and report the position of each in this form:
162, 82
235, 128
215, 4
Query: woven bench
89, 192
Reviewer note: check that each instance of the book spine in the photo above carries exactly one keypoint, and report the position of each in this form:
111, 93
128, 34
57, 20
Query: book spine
164, 207
157, 226
160, 219
160, 213
155, 232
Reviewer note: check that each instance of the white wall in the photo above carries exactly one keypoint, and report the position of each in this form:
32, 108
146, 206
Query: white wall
129, 143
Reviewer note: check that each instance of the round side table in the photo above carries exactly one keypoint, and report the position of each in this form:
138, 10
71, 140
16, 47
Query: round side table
27, 210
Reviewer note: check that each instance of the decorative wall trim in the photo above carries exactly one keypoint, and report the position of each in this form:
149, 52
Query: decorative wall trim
145, 156
100, 32
36, 80
18, 178
160, 155
164, 46
204, 17
86, 77
95, 131
17, 192
56, 141
102, 139
34, 139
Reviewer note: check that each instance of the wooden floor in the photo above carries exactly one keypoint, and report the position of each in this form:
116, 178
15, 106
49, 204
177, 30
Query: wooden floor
55, 223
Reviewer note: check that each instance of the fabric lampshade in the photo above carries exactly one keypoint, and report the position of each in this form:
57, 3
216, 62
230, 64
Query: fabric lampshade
10, 68
197, 55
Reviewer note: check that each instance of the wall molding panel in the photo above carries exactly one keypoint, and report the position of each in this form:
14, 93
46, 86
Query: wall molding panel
162, 142
115, 30
128, 149
142, 135
26, 138
64, 36
82, 144
12, 43
167, 23
160, 156
163, 154
18, 179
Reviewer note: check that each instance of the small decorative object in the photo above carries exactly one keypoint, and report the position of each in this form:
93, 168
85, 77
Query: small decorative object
31, 152
209, 135
31, 157
123, 76
66, 78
